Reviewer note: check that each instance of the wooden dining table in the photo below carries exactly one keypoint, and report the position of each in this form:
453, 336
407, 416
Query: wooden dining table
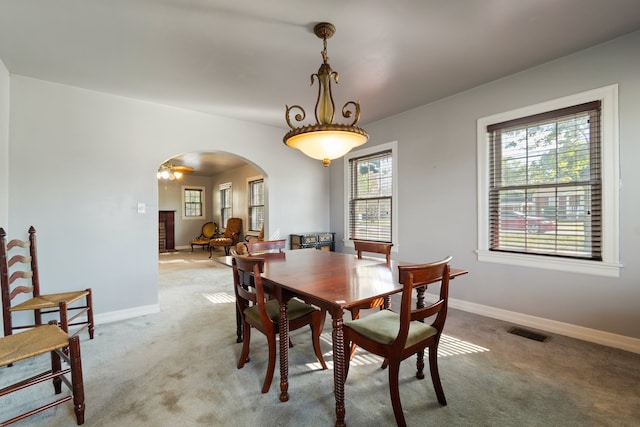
335, 282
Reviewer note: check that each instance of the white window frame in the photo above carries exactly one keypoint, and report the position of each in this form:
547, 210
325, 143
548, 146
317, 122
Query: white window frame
264, 183
221, 188
393, 146
184, 210
610, 264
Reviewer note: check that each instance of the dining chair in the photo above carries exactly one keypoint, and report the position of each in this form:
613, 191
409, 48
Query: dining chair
230, 238
258, 238
19, 274
266, 246
361, 246
397, 336
263, 314
30, 344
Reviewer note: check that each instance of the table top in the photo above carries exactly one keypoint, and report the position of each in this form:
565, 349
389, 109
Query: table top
332, 279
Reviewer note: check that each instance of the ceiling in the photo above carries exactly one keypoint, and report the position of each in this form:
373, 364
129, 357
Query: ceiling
248, 59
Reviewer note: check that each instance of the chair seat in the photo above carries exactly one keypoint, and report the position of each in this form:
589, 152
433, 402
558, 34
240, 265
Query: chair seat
200, 241
49, 300
31, 343
295, 310
383, 326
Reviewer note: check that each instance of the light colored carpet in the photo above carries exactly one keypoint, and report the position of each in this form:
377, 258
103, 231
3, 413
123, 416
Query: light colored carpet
178, 368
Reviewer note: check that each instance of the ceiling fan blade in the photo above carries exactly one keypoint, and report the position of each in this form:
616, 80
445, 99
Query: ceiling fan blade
183, 169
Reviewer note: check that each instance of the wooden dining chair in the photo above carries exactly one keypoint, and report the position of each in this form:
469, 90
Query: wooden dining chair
361, 246
19, 275
263, 314
21, 347
396, 336
266, 246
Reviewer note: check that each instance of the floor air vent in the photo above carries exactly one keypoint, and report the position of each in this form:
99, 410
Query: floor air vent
528, 334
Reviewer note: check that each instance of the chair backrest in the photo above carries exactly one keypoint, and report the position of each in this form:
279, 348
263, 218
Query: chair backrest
25, 268
248, 286
266, 246
413, 276
374, 247
234, 226
209, 230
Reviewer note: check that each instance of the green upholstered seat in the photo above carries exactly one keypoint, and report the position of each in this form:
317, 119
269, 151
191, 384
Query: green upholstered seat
383, 326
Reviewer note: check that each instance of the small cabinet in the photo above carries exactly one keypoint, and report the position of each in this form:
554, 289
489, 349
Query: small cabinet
323, 241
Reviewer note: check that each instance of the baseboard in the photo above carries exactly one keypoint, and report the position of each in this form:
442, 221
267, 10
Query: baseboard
579, 332
130, 313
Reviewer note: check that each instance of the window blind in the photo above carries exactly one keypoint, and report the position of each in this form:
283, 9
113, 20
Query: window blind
370, 197
545, 189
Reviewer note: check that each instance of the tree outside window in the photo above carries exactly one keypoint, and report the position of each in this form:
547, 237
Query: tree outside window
370, 197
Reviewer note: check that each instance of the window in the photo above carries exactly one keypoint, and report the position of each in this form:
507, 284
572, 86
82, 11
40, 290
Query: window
256, 203
193, 202
548, 194
371, 194
225, 203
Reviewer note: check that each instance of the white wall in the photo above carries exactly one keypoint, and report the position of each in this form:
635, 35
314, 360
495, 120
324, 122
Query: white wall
437, 196
81, 161
4, 146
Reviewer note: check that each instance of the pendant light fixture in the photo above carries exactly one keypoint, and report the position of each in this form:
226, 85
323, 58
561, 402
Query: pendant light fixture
325, 140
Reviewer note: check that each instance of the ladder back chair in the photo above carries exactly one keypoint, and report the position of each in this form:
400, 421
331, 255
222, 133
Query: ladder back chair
361, 246
37, 342
264, 314
397, 336
19, 275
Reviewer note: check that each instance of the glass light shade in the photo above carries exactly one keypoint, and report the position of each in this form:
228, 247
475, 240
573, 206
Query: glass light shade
329, 144
177, 174
164, 174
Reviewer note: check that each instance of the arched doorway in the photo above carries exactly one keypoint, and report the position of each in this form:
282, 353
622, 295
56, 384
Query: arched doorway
212, 173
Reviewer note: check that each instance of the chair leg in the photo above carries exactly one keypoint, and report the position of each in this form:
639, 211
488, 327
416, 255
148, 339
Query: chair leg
347, 356
435, 375
316, 329
355, 314
89, 301
56, 366
238, 325
244, 355
394, 371
77, 382
271, 364
64, 319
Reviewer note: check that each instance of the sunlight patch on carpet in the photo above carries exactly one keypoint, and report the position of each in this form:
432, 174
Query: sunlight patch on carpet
449, 346
220, 298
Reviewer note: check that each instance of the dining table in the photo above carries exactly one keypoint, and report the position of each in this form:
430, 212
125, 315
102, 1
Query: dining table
335, 282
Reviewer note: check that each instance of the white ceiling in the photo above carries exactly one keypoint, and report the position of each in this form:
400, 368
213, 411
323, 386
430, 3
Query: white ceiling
248, 59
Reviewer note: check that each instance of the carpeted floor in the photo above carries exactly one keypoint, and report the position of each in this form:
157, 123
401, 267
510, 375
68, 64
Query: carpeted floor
178, 368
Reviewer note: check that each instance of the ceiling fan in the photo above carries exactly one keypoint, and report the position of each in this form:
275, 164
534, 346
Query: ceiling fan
171, 172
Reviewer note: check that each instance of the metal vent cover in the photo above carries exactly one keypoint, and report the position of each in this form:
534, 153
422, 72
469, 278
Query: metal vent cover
528, 334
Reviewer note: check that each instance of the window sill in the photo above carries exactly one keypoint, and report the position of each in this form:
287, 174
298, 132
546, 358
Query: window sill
594, 268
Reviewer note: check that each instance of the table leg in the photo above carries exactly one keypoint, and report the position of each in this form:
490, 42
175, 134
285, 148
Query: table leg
338, 366
284, 352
